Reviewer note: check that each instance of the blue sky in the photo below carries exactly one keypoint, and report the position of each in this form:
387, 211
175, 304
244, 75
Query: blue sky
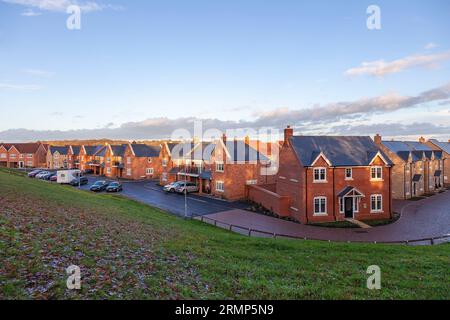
231, 60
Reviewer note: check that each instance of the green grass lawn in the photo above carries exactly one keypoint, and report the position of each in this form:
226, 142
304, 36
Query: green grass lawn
129, 250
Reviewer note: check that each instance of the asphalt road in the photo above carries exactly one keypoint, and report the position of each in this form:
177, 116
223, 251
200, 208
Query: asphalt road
150, 193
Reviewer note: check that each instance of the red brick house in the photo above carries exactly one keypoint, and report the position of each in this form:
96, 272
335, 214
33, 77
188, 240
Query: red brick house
22, 155
222, 169
73, 157
142, 161
90, 158
326, 179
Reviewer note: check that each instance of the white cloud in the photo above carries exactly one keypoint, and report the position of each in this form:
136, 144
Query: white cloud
20, 87
38, 73
381, 68
431, 45
30, 13
62, 5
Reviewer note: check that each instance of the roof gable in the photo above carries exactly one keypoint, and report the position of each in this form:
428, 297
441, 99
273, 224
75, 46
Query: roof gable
339, 150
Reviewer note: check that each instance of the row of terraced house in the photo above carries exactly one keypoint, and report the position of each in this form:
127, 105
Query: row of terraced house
305, 178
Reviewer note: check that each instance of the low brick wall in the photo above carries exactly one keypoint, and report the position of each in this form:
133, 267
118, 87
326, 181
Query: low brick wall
265, 196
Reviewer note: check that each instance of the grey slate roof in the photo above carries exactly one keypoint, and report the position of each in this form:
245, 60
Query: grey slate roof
61, 150
146, 151
118, 150
340, 151
92, 150
442, 145
242, 152
417, 150
76, 150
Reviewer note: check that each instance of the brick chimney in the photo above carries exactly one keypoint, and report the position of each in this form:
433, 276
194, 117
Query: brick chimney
377, 139
288, 133
422, 140
247, 140
224, 138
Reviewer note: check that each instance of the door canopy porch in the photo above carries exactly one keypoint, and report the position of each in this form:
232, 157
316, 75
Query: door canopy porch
350, 192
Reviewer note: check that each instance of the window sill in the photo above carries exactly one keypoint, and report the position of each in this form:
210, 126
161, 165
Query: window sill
320, 215
376, 180
349, 179
377, 212
320, 181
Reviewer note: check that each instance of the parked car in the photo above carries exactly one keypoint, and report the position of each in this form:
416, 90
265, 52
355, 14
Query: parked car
114, 187
41, 174
88, 171
99, 186
79, 181
171, 187
33, 173
187, 187
54, 178
48, 176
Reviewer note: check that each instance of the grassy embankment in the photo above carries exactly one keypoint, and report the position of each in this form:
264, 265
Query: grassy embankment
128, 250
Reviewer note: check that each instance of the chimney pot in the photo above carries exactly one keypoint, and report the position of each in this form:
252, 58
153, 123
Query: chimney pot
377, 139
224, 138
422, 140
288, 133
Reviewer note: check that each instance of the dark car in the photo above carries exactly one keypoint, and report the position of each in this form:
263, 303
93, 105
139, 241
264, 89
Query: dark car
99, 186
48, 176
88, 171
79, 181
54, 178
114, 187
33, 173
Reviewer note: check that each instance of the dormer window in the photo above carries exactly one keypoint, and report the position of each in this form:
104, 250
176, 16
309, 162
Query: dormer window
320, 175
376, 173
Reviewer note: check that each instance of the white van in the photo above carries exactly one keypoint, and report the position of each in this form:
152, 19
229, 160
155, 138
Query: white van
67, 176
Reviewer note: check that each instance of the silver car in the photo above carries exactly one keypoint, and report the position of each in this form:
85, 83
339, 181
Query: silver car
188, 187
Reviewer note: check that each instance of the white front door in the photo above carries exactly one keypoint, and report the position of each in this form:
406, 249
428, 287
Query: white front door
21, 164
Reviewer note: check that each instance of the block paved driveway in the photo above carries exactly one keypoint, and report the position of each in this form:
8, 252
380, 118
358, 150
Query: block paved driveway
420, 219
150, 193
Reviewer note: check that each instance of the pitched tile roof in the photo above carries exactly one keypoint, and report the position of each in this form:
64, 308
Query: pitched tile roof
417, 150
25, 147
147, 151
64, 150
92, 150
76, 150
442, 145
118, 150
340, 151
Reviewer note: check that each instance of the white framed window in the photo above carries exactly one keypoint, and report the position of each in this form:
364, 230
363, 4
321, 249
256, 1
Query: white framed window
320, 206
30, 155
21, 156
320, 174
13, 156
348, 174
108, 170
220, 167
3, 155
149, 171
128, 160
251, 182
164, 176
220, 186
341, 205
149, 160
376, 203
29, 163
376, 173
128, 171
108, 160
164, 162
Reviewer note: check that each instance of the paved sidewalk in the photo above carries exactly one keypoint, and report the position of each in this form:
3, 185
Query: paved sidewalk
420, 219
